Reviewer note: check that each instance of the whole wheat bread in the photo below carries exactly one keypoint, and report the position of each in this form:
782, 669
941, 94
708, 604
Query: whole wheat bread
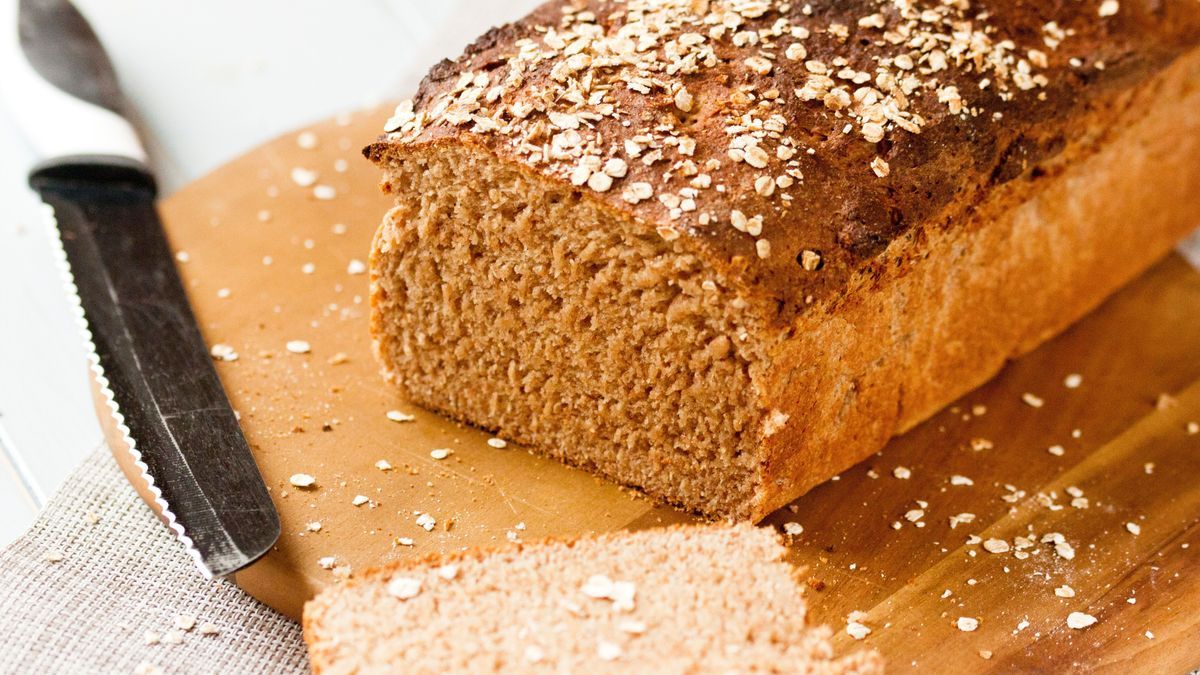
699, 599
722, 250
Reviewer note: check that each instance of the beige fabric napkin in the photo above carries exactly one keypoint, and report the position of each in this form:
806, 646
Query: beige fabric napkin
97, 576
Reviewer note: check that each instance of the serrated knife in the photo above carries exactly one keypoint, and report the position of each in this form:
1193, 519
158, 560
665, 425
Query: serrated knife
148, 355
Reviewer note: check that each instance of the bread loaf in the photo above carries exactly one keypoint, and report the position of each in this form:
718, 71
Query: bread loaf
701, 599
723, 250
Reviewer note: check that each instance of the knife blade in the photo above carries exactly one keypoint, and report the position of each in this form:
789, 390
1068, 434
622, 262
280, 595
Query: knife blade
148, 355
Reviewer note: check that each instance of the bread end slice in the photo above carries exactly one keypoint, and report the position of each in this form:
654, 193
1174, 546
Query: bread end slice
713, 598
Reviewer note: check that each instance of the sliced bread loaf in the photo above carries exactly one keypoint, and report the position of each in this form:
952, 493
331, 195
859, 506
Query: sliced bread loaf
688, 599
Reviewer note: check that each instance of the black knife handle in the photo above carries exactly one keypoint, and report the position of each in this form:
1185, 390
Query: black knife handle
156, 362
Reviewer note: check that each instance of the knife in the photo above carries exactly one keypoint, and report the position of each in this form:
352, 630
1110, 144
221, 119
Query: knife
148, 357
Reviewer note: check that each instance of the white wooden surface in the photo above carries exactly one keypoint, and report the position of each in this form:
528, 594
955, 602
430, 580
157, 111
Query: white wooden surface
209, 81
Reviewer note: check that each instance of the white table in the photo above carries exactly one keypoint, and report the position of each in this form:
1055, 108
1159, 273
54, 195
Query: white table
209, 80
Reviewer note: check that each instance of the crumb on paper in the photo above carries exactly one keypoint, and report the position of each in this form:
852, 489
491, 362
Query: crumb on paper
399, 416
185, 622
383, 465
302, 480
967, 623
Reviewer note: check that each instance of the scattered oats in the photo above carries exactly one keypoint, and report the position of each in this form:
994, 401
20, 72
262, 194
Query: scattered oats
223, 352
793, 528
151, 638
207, 628
356, 266
600, 182
302, 480
1133, 528
1032, 400
172, 637
314, 526
1064, 591
327, 562
92, 518
399, 416
996, 546
185, 622
759, 65
1064, 550
298, 347
440, 453
913, 515
1057, 450
763, 248
404, 588
810, 260
880, 167
857, 630
1079, 620
359, 500
383, 465
498, 443
961, 519
1073, 381
637, 192
1149, 635
985, 654
404, 541
960, 480
967, 624
307, 140
1109, 8
304, 177
324, 192
147, 668
684, 100
608, 651
426, 522
53, 556
902, 472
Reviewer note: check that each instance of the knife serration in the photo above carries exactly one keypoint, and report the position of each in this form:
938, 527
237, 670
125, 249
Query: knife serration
153, 367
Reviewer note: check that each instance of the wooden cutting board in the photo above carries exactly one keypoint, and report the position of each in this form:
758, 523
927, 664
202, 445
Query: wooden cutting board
268, 261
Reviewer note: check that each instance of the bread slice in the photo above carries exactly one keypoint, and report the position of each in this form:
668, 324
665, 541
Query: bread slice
723, 251
696, 599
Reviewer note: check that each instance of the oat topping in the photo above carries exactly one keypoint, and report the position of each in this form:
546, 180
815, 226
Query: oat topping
399, 416
564, 90
298, 347
302, 480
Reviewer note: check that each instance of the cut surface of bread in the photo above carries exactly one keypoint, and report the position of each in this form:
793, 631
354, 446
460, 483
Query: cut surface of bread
685, 271
697, 599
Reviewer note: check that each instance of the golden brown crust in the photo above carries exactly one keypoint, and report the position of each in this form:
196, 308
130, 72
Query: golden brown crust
1035, 105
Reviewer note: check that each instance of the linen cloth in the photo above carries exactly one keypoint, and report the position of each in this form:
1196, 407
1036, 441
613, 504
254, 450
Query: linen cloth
122, 575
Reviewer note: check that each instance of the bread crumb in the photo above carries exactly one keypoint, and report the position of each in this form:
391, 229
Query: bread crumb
1064, 591
960, 480
1109, 8
967, 624
1032, 400
440, 453
793, 528
498, 443
404, 588
207, 628
302, 480
383, 465
1056, 450
359, 500
985, 654
398, 416
902, 472
1133, 528
427, 522
298, 347
356, 267
327, 562
185, 622
314, 526
1073, 381
223, 352
1079, 620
